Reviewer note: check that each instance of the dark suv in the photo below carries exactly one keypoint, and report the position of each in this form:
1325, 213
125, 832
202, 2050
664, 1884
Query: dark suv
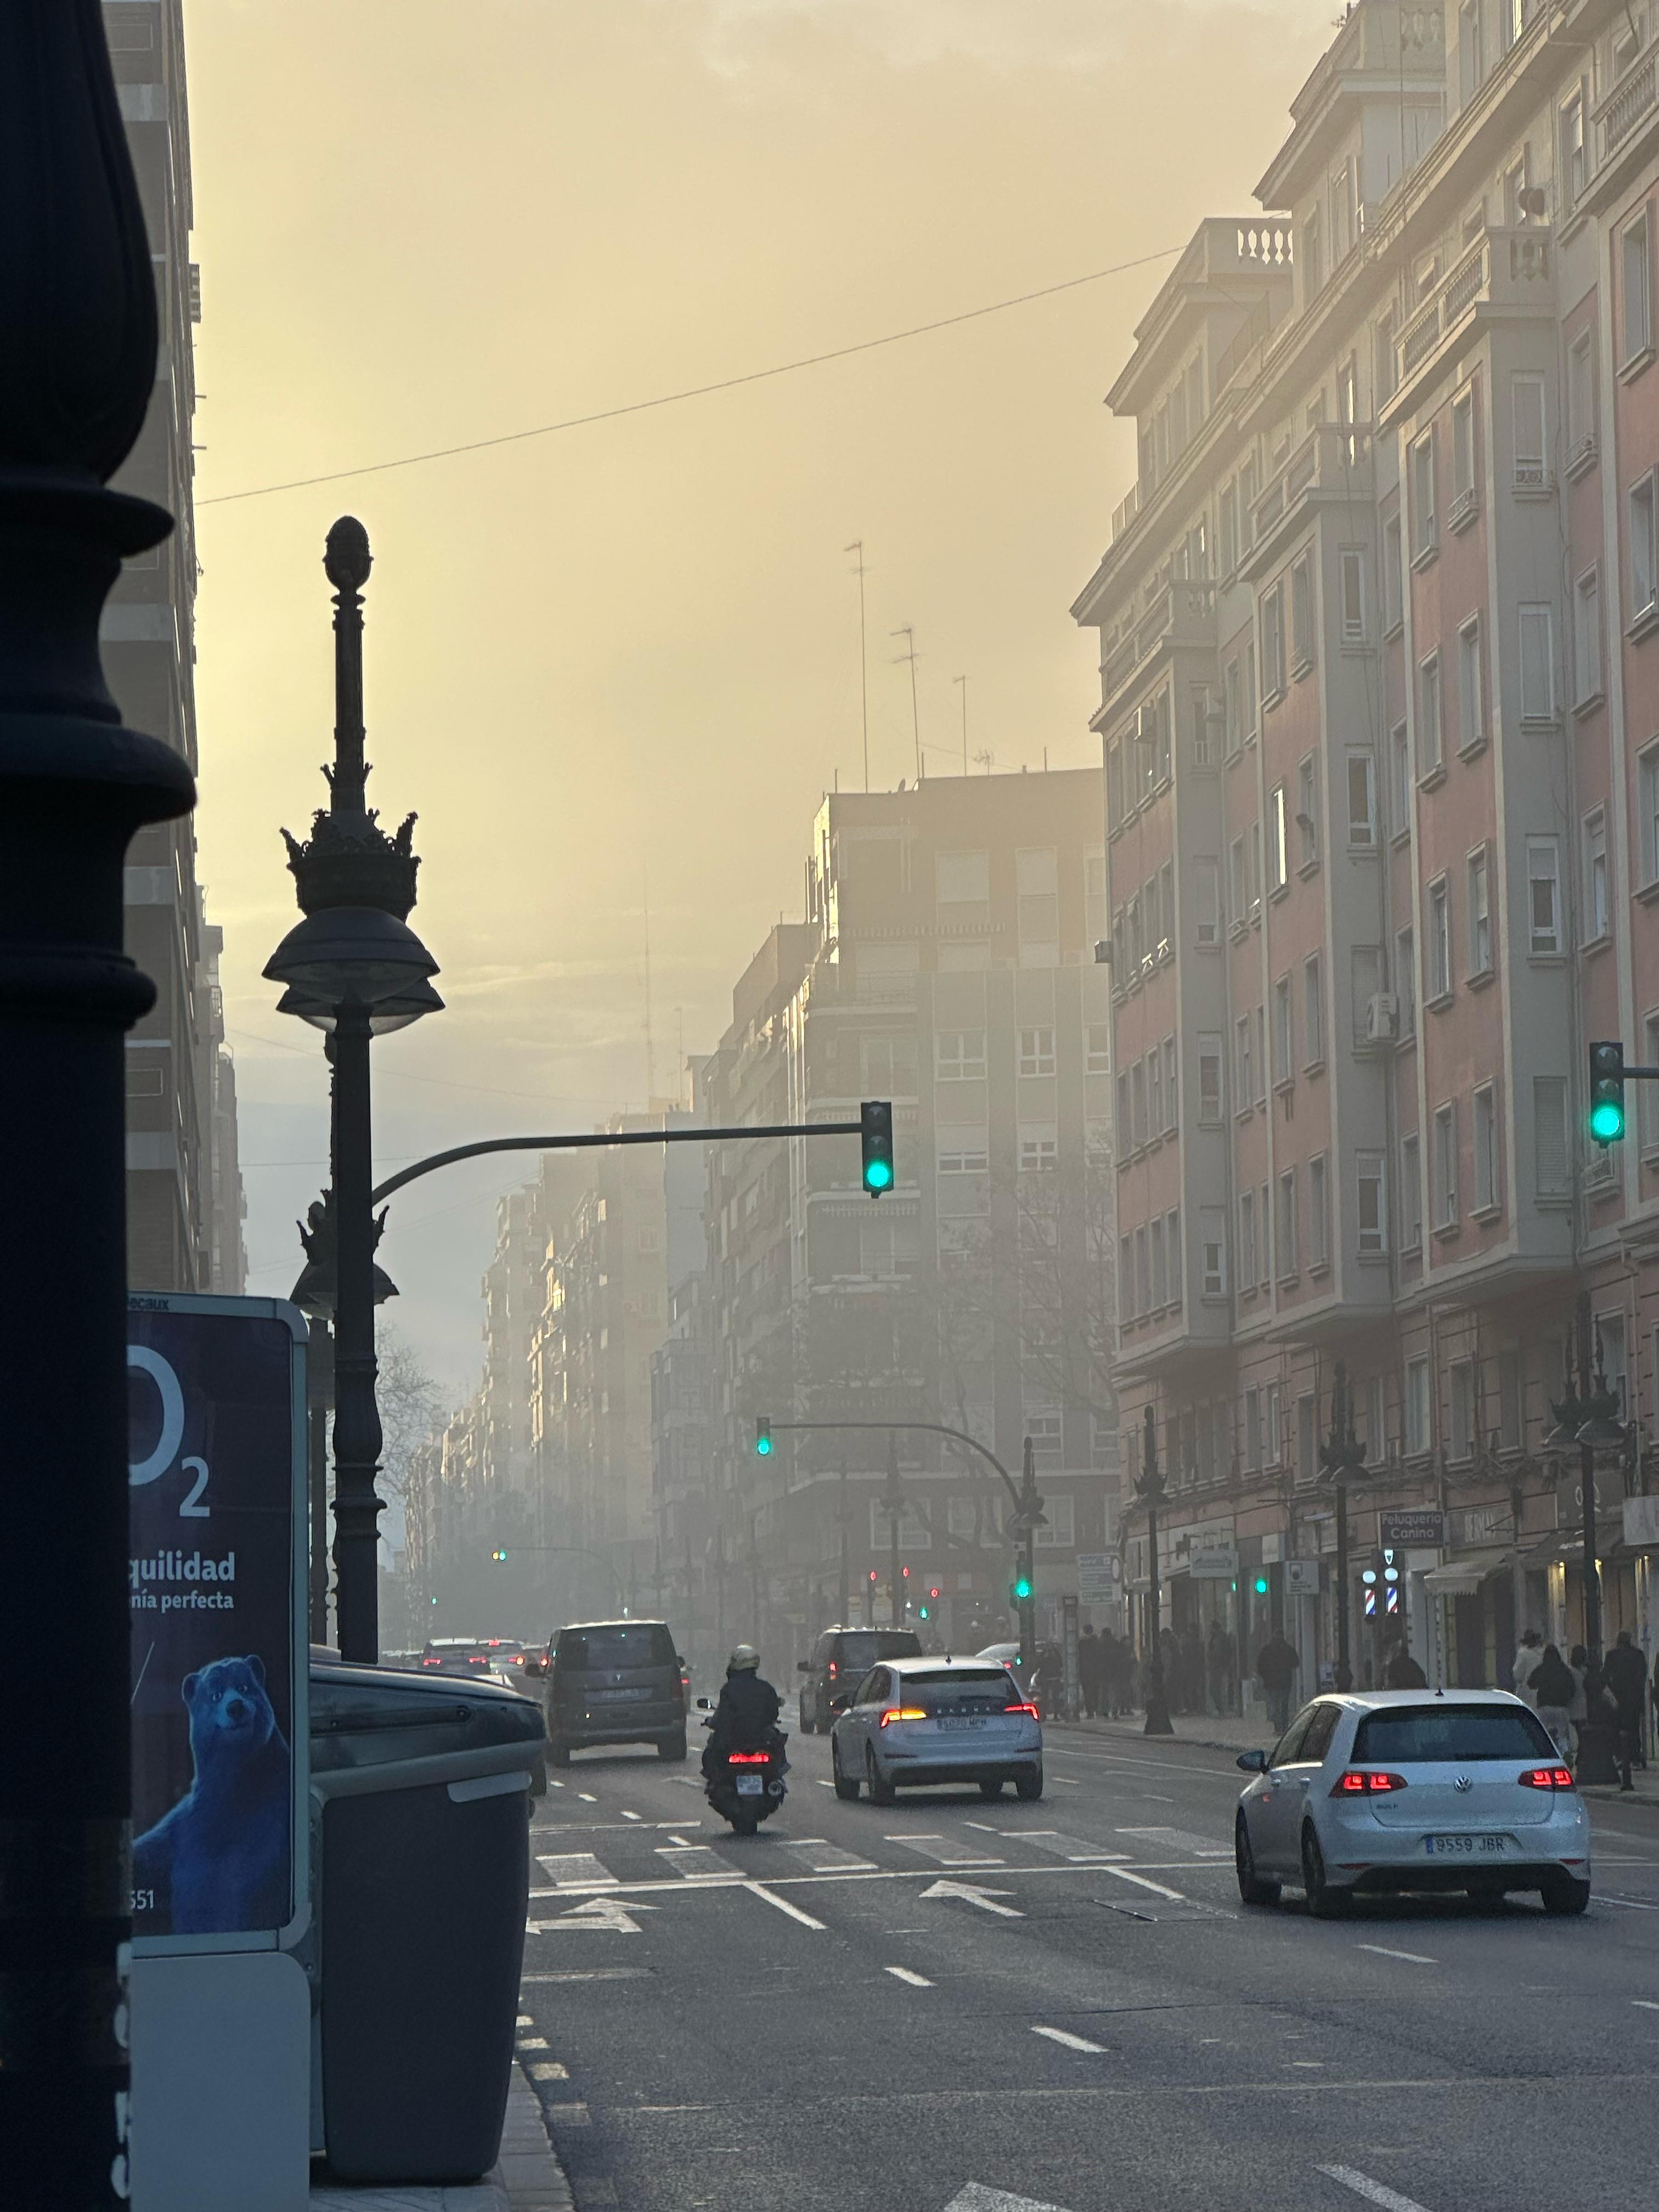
841, 1659
614, 1682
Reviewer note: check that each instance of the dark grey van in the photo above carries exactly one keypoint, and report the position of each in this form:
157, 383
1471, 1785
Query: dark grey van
841, 1659
614, 1682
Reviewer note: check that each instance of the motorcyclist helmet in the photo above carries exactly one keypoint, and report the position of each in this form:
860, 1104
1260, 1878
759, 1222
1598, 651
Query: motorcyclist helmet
745, 1660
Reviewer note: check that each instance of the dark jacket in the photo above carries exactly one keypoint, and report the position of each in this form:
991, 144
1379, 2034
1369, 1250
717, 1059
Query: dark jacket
1626, 1674
1276, 1663
1403, 1672
746, 1714
1552, 1684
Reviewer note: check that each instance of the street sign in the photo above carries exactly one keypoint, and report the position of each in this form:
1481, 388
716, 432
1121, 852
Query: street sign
1642, 1521
1419, 1529
1216, 1563
1302, 1577
1099, 1577
216, 1586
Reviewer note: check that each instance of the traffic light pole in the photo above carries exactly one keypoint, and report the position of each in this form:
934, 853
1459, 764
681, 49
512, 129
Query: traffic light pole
895, 1504
1028, 1643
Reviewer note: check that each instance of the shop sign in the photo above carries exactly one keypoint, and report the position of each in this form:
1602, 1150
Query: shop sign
1475, 1527
1302, 1577
1416, 1529
1215, 1564
1642, 1520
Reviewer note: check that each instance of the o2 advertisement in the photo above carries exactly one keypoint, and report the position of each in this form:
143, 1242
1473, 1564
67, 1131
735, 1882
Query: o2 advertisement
215, 1477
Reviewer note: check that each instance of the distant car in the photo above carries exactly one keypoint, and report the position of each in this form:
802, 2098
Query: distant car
1399, 1790
840, 1658
614, 1682
458, 1655
915, 1722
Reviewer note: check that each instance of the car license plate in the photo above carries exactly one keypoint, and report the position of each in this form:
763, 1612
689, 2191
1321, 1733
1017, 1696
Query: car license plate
614, 1697
961, 1721
1467, 1847
751, 1785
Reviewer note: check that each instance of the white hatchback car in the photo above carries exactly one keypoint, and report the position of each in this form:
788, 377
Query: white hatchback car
912, 1721
1412, 1789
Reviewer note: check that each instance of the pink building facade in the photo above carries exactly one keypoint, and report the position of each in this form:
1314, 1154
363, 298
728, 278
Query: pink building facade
1379, 720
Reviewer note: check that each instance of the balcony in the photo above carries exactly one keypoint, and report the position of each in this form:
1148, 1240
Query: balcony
1334, 461
1630, 102
1505, 273
1181, 618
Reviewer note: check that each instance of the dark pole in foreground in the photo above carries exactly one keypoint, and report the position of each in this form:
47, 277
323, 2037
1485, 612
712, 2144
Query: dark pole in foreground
1341, 1455
1150, 1489
357, 1415
895, 1508
1029, 1513
77, 367
1586, 1416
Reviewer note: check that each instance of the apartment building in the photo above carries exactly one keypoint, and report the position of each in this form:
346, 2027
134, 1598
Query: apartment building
1378, 698
185, 1203
946, 963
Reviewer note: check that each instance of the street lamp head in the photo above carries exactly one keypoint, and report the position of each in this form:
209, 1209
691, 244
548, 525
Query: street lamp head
361, 955
1600, 1433
346, 557
389, 1014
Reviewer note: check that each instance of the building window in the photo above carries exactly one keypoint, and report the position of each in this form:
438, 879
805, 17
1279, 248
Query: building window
1036, 1052
1288, 1251
1272, 645
1362, 801
1485, 1148
1479, 915
1445, 1165
1544, 896
1610, 1344
1252, 695
1059, 1533
1243, 1072
1284, 1032
1439, 975
1313, 1009
1531, 433
1400, 780
1471, 705
1319, 1214
1636, 271
1166, 907
1647, 772
1227, 529
1037, 882
1647, 1094
1302, 618
1367, 977
1425, 530
1460, 1432
1644, 549
1463, 499
1232, 708
1247, 1240
1405, 980
1587, 638
1428, 716
960, 1055
1115, 811
1371, 1190
1279, 858
1353, 596
1212, 1248
1411, 1195
1098, 1049
1393, 611
1238, 897
1253, 869
1307, 809
1210, 1102
1154, 1093
1039, 1149
1470, 58
1417, 1407
1160, 1285
1581, 398
1537, 664
1575, 166
1551, 1166
1206, 901
1172, 1239
1596, 877
1094, 898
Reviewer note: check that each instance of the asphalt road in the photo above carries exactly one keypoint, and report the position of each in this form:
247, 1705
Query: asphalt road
950, 2004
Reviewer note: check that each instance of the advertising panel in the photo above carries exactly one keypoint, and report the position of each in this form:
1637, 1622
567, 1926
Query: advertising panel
216, 1495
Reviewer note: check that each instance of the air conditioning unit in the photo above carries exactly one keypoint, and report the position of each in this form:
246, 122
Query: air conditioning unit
1382, 1018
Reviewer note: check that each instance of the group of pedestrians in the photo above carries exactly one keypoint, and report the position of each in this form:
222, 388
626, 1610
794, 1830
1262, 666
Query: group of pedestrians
1106, 1672
1568, 1694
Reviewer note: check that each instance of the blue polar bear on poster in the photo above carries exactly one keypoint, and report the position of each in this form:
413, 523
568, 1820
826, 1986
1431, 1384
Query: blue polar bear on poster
219, 1861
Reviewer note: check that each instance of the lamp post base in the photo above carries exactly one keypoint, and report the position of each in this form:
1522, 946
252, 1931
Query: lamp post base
1598, 1753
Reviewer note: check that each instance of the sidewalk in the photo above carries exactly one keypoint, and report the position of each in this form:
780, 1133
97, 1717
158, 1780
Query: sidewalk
528, 2178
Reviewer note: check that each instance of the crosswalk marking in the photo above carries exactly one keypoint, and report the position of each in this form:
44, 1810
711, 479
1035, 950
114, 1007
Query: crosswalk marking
1374, 2192
1182, 1839
819, 1856
696, 1862
1068, 2041
575, 1870
1073, 1849
944, 1851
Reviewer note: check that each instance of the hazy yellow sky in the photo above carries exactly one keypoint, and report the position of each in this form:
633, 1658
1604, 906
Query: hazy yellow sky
628, 653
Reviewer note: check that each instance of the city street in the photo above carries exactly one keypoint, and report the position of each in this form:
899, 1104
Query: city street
951, 2003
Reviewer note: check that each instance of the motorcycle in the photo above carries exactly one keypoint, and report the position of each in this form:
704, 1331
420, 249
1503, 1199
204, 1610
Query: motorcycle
746, 1787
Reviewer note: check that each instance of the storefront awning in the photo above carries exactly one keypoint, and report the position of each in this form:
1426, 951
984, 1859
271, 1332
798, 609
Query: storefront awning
1463, 1577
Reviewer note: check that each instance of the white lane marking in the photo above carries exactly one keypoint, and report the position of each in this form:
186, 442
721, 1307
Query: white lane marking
821, 1783
782, 1905
1075, 1850
629, 1816
976, 2197
552, 1784
971, 1893
575, 1870
822, 1857
1062, 1782
1630, 1904
586, 1798
696, 1861
1372, 2191
1413, 1958
1070, 2042
594, 1915
548, 2070
1182, 1839
903, 1974
595, 1974
1646, 2004
533, 2043
943, 1851
680, 1843
566, 2116
1141, 1882
524, 2021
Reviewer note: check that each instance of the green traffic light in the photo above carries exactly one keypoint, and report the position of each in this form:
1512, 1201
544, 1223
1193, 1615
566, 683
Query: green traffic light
1022, 1588
763, 1437
1607, 1120
1261, 1586
877, 1176
876, 1130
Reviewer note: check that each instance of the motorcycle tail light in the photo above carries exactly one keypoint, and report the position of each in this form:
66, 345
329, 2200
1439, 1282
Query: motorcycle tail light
1546, 1778
747, 1758
1355, 1783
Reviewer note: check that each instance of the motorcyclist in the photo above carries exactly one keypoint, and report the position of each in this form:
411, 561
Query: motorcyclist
746, 1717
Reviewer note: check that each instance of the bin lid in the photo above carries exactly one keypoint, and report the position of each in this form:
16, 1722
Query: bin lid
363, 1716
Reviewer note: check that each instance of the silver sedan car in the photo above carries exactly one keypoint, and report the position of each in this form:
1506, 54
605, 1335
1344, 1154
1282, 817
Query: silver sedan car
1412, 1789
912, 1721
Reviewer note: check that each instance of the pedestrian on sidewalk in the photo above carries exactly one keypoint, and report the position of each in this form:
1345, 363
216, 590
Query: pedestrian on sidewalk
1578, 1667
1276, 1667
1088, 1658
1400, 1671
1219, 1662
1552, 1686
1192, 1669
1627, 1680
1524, 1665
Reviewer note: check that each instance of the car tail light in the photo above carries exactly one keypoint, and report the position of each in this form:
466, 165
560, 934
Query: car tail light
833, 1670
1546, 1778
904, 1713
432, 1663
1026, 1707
747, 1758
1355, 1783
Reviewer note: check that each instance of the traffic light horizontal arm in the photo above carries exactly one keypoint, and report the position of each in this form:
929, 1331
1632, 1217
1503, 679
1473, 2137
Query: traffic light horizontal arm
602, 1139
927, 1428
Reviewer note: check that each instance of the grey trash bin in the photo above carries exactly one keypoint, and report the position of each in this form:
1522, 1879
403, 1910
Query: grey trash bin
421, 1878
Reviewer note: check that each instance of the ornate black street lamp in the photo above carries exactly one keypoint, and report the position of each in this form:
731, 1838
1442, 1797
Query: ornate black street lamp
77, 368
1586, 1416
1149, 1489
1341, 1456
354, 968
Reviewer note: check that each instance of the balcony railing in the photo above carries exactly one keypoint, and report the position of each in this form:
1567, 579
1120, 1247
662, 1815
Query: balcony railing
1332, 458
1181, 614
1501, 269
1631, 100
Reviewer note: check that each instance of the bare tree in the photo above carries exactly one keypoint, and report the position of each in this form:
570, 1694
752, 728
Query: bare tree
411, 1405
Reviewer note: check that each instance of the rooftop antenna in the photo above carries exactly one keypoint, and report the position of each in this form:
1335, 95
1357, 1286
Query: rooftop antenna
985, 758
907, 631
857, 546
962, 683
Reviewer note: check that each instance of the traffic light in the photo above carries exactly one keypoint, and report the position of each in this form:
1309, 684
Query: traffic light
499, 1555
921, 1613
905, 1571
872, 1574
876, 1135
1261, 1586
1021, 1590
763, 1438
1607, 1098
